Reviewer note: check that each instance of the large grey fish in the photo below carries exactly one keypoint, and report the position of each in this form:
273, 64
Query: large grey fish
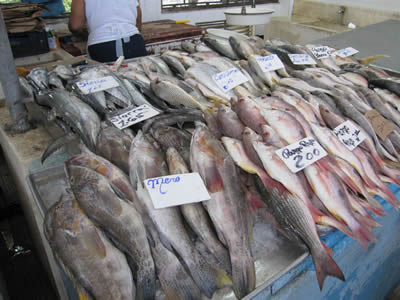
256, 79
65, 72
114, 145
222, 47
161, 64
242, 48
173, 137
137, 97
174, 94
147, 162
55, 80
174, 64
77, 114
118, 218
196, 216
175, 281
390, 85
227, 207
389, 97
176, 117
188, 46
204, 73
39, 78
85, 252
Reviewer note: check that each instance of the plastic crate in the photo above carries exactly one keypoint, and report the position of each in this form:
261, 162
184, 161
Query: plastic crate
28, 43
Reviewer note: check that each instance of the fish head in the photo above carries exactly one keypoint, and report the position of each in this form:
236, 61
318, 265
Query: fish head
236, 150
175, 162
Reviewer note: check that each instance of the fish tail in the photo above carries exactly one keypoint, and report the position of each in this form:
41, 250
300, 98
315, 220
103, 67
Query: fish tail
324, 266
367, 60
391, 198
325, 220
392, 174
379, 211
362, 235
243, 274
146, 283
206, 277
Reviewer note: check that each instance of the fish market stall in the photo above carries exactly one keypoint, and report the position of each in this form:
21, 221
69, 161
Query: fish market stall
212, 171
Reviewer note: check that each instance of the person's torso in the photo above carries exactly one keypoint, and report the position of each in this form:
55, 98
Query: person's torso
110, 20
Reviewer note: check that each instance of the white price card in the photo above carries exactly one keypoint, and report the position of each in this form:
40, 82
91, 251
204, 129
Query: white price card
346, 52
349, 134
301, 154
173, 190
270, 63
131, 116
322, 52
97, 85
302, 59
229, 79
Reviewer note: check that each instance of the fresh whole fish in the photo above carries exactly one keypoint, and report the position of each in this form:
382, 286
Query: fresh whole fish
241, 47
39, 78
77, 114
390, 85
229, 123
174, 64
227, 207
119, 219
86, 254
55, 81
114, 145
146, 162
196, 215
222, 47
169, 137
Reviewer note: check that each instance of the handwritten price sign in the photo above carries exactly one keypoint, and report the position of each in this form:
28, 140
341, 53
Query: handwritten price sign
229, 79
302, 59
132, 116
349, 134
173, 190
270, 63
97, 85
301, 154
346, 52
321, 52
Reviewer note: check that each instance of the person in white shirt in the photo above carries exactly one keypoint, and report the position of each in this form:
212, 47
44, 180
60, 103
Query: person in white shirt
113, 27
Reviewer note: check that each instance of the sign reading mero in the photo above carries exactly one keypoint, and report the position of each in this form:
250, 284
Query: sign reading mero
173, 190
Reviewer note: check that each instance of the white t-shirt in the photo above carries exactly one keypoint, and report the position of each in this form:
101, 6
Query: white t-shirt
110, 20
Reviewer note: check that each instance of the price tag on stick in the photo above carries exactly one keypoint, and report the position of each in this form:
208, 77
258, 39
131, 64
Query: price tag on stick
321, 52
176, 190
301, 154
131, 116
349, 134
270, 63
97, 85
229, 79
302, 59
346, 52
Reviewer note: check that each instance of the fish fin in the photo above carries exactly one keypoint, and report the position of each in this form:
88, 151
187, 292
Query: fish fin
57, 145
362, 234
367, 60
214, 181
327, 249
119, 193
324, 266
243, 274
391, 198
329, 221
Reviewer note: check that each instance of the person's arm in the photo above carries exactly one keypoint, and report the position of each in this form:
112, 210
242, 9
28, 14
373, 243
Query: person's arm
77, 19
139, 17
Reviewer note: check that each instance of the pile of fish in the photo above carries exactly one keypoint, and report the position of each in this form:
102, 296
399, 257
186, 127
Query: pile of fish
122, 247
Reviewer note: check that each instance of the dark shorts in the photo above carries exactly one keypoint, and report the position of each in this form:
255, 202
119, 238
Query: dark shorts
105, 52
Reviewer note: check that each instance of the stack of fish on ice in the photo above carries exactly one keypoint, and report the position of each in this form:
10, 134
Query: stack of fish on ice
116, 245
